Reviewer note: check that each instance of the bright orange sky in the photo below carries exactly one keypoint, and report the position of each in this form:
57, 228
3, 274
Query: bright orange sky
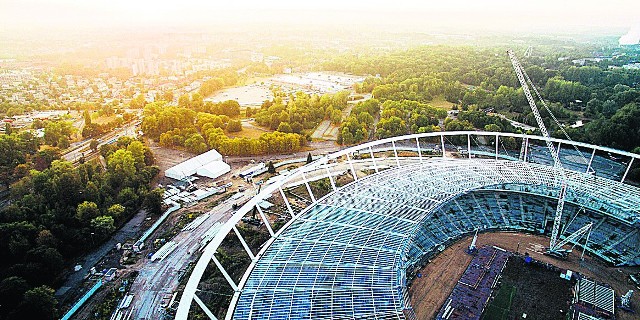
497, 15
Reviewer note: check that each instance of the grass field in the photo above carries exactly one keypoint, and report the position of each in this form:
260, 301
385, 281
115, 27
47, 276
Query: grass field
103, 119
248, 132
440, 102
499, 308
534, 289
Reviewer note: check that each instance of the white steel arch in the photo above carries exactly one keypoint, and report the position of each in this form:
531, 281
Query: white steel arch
478, 174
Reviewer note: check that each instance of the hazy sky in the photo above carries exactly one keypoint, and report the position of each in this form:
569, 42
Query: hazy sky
497, 15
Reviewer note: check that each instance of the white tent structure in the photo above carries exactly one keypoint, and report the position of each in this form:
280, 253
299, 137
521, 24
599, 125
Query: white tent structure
208, 164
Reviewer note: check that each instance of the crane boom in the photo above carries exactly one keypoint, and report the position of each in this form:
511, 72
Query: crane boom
575, 235
556, 160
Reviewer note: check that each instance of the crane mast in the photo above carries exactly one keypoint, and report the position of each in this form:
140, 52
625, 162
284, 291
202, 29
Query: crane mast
521, 74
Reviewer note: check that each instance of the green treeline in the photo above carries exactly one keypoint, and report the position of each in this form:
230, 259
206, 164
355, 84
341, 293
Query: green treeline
58, 211
359, 125
301, 111
481, 78
20, 153
407, 116
198, 132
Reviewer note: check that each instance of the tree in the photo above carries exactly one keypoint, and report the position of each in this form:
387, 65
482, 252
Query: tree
87, 117
54, 130
137, 150
271, 168
138, 102
128, 198
122, 164
621, 131
234, 126
47, 239
12, 290
284, 127
63, 142
44, 262
7, 128
309, 158
103, 225
609, 108
92, 130
492, 128
391, 127
184, 101
116, 210
39, 303
93, 144
87, 210
336, 116
195, 144
167, 96
153, 201
197, 101
297, 127
45, 157
352, 131
229, 108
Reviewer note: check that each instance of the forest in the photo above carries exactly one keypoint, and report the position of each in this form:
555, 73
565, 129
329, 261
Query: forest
197, 132
58, 211
300, 111
198, 126
600, 93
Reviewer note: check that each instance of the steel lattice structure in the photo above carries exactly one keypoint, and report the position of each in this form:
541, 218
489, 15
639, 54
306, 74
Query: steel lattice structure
347, 254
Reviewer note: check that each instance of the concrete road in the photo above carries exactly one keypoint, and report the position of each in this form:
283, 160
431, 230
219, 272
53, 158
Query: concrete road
128, 231
162, 277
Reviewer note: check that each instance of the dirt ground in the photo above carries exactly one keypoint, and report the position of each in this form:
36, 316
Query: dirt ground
166, 157
429, 292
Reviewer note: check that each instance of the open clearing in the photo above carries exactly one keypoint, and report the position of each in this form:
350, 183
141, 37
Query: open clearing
249, 130
440, 102
251, 95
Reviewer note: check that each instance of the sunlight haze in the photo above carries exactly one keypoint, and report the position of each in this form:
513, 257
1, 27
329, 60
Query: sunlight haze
495, 15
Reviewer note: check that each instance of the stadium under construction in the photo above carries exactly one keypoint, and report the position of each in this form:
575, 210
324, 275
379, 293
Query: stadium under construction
391, 205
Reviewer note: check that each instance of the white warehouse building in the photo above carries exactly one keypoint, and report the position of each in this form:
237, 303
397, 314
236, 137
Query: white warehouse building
208, 164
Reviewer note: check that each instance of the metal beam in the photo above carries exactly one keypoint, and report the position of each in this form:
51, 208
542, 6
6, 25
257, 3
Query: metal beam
306, 184
265, 220
469, 145
419, 151
333, 184
627, 171
286, 202
244, 243
204, 307
224, 273
375, 166
353, 171
395, 153
593, 153
497, 137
